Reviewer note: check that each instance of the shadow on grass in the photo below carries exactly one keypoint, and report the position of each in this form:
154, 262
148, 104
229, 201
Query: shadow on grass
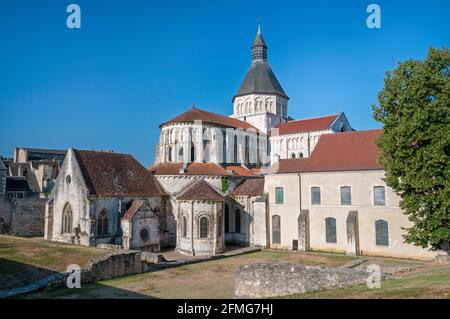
15, 274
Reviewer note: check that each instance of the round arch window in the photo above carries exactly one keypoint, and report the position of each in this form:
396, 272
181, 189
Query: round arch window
144, 234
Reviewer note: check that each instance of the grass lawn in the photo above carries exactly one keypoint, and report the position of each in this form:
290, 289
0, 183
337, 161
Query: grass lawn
21, 257
23, 260
212, 279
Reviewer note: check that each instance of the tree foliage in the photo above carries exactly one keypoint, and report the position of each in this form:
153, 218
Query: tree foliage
414, 107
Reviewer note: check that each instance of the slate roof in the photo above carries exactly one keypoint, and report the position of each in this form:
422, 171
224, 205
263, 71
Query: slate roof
191, 169
199, 190
260, 79
308, 125
32, 180
196, 114
2, 165
349, 151
116, 175
17, 184
250, 187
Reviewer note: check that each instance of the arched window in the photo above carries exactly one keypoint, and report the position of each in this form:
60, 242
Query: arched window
301, 155
382, 233
184, 227
227, 218
102, 224
180, 154
25, 173
67, 219
203, 227
235, 149
247, 150
192, 152
276, 229
170, 154
293, 156
330, 230
224, 147
237, 221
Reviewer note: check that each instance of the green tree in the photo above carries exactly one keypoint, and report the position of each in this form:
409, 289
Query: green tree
414, 107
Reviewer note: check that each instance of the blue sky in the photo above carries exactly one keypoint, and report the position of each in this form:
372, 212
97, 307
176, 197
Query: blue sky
135, 64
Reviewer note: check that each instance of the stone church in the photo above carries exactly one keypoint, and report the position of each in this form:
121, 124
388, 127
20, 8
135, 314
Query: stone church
255, 178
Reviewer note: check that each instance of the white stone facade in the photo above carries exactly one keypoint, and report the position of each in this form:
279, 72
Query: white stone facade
297, 199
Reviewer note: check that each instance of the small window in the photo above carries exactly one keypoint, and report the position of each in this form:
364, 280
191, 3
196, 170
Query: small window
203, 227
19, 195
68, 179
237, 222
315, 195
301, 155
279, 195
346, 195
382, 233
180, 153
379, 197
276, 229
227, 219
144, 234
293, 156
184, 227
330, 230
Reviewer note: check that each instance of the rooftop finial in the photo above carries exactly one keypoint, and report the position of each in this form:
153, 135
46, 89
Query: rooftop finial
259, 24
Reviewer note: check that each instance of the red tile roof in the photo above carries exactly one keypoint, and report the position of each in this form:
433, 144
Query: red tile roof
314, 124
134, 208
337, 152
116, 175
250, 187
191, 169
199, 190
195, 114
240, 171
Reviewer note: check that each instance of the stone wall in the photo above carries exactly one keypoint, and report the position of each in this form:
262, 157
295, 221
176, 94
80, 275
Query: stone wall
118, 264
28, 217
22, 217
270, 280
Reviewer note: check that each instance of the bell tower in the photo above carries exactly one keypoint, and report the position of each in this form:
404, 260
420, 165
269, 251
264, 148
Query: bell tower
260, 100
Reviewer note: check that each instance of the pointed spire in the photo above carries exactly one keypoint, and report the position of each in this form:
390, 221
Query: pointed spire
259, 47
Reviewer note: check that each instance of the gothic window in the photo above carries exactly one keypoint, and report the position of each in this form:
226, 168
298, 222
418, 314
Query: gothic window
382, 233
237, 221
184, 227
330, 230
379, 197
276, 229
203, 227
346, 195
25, 173
180, 153
102, 224
315, 196
170, 154
279, 195
67, 219
227, 219
68, 179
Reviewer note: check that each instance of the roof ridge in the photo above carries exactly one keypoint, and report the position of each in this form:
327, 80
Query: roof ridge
311, 118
